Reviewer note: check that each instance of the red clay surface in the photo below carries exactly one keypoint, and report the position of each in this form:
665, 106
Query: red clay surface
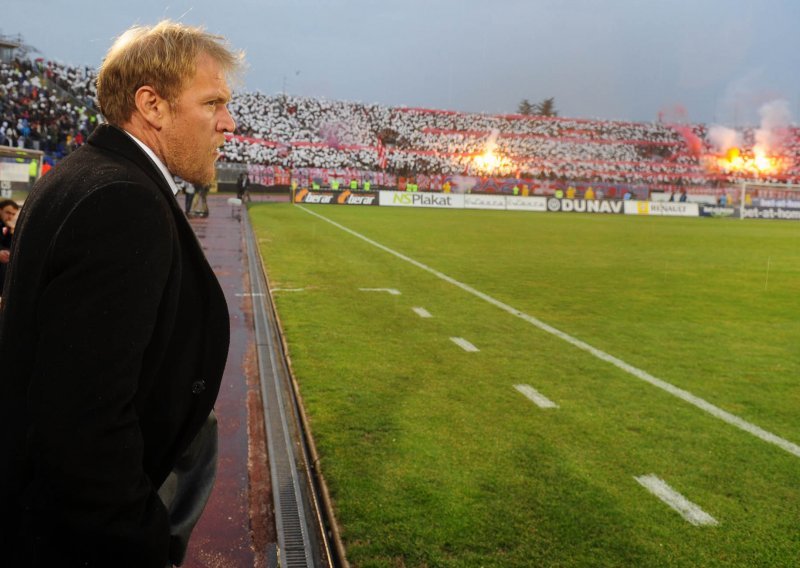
237, 525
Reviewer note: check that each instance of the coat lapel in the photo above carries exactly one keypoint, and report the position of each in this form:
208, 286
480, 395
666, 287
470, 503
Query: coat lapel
113, 139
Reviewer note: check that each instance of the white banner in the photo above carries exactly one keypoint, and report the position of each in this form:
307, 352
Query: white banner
485, 201
526, 203
14, 171
662, 208
422, 199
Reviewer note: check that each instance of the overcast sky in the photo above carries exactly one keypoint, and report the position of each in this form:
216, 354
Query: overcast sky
717, 61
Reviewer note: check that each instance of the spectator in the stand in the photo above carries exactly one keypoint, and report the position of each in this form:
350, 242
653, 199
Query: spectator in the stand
9, 209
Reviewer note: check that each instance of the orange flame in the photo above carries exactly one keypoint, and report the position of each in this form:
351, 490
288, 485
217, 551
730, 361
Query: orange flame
490, 163
487, 162
757, 163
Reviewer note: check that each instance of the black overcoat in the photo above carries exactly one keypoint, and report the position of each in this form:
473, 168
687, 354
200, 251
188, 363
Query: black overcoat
113, 339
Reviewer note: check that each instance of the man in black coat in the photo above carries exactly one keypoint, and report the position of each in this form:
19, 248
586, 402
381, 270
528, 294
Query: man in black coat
113, 329
8, 218
242, 185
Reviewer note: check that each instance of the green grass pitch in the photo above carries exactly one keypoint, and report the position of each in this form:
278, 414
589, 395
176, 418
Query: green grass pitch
433, 458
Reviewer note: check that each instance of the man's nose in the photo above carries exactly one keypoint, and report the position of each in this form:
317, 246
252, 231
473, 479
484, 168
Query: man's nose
226, 122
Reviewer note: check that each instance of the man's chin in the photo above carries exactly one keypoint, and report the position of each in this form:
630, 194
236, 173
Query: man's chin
199, 178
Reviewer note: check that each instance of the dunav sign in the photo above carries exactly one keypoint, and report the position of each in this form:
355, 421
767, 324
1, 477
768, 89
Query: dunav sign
584, 206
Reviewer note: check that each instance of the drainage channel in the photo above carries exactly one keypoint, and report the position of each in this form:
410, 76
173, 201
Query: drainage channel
302, 537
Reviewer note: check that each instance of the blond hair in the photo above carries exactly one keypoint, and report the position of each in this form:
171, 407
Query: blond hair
164, 57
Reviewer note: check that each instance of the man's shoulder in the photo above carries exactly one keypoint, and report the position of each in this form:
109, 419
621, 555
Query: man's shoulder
89, 168
86, 172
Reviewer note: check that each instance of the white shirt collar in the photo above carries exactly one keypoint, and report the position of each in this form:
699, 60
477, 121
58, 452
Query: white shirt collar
164, 171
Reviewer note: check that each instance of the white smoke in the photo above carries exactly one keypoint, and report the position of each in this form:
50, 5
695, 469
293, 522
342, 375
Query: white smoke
775, 120
769, 136
491, 143
724, 138
463, 184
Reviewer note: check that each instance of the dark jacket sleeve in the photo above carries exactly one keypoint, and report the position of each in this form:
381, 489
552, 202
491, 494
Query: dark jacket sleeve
91, 504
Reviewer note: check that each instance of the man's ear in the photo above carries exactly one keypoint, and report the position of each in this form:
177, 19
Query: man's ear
152, 107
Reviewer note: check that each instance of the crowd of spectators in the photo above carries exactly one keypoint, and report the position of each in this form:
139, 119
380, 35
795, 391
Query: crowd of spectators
292, 132
45, 106
49, 106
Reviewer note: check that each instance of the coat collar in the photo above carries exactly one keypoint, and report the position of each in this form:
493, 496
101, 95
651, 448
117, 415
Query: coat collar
114, 139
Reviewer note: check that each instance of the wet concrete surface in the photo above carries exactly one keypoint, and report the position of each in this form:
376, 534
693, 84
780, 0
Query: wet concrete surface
237, 525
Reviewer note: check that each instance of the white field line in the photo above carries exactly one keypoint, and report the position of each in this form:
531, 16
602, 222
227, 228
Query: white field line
250, 295
682, 394
287, 290
464, 344
681, 504
538, 398
422, 312
391, 291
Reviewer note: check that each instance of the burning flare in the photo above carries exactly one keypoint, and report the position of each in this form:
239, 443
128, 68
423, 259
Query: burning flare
767, 155
757, 163
487, 162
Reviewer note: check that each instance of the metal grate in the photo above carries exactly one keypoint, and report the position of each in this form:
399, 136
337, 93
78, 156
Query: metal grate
298, 541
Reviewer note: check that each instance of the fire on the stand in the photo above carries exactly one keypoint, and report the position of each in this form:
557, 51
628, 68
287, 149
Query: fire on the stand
757, 162
491, 163
487, 162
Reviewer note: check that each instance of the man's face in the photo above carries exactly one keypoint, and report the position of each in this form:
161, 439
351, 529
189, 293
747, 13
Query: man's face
8, 214
198, 120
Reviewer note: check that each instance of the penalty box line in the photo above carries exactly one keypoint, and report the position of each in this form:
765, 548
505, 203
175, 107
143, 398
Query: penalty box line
680, 393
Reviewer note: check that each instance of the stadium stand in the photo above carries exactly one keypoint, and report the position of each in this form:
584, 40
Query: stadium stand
45, 106
293, 132
49, 106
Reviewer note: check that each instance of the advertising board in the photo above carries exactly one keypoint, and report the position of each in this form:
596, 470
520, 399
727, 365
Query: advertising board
662, 208
336, 197
514, 203
472, 201
772, 213
584, 206
14, 171
415, 199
